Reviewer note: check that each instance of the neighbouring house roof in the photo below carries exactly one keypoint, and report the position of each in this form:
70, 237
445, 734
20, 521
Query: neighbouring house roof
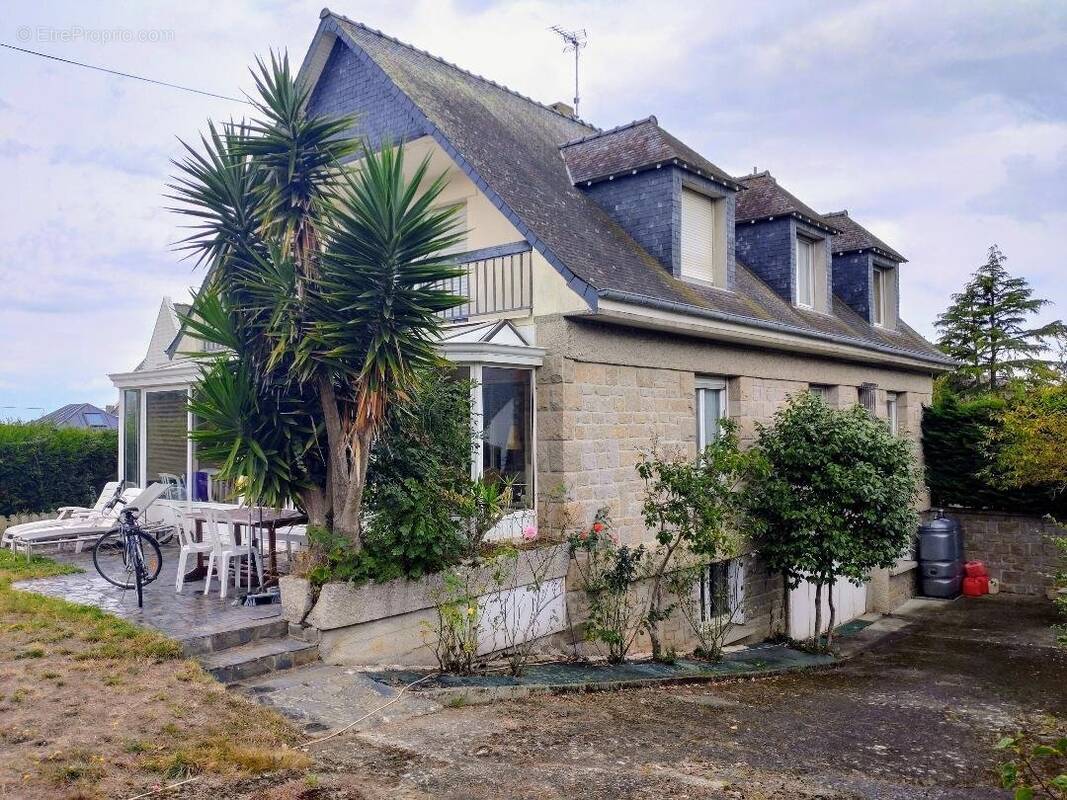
762, 198
81, 415
514, 150
852, 236
633, 147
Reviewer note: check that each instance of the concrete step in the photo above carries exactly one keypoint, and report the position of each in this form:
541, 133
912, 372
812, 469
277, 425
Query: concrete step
270, 628
258, 658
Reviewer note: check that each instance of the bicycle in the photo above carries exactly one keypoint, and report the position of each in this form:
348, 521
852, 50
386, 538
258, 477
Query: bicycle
127, 556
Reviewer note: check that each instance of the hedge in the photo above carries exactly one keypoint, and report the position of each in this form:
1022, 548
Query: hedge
43, 467
960, 451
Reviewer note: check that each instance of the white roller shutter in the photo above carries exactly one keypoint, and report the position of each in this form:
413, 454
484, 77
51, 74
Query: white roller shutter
698, 236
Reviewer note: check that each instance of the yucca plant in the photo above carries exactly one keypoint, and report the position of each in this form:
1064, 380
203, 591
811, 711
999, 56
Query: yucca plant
322, 256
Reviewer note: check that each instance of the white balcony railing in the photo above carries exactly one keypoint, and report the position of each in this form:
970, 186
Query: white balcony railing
497, 280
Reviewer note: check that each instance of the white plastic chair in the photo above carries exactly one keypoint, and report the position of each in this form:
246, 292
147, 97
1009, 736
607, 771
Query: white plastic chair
189, 546
227, 551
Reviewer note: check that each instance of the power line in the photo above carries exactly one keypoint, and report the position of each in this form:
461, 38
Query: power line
123, 74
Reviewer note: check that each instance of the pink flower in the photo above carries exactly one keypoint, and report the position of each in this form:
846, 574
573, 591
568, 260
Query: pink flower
598, 527
529, 533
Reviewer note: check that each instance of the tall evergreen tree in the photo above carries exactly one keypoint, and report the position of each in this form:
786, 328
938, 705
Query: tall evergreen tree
986, 329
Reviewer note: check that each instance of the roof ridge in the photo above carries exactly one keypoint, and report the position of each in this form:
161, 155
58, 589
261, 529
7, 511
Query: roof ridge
842, 213
762, 174
326, 12
631, 124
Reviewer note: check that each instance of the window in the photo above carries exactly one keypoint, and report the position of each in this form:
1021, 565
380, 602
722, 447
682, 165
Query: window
94, 419
891, 410
131, 434
711, 408
868, 394
822, 391
507, 417
878, 297
698, 236
722, 591
805, 272
166, 437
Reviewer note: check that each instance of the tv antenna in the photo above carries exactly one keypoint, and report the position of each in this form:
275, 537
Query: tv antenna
572, 40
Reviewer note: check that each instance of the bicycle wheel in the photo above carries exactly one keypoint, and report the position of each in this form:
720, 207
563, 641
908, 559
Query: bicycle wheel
113, 562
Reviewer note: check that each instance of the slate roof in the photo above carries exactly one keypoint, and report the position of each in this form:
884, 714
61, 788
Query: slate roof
854, 236
638, 145
74, 416
763, 197
511, 146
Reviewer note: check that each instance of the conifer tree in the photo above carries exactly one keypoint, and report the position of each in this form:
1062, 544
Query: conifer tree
986, 329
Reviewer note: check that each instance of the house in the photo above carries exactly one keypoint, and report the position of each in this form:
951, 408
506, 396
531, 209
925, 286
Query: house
622, 288
81, 415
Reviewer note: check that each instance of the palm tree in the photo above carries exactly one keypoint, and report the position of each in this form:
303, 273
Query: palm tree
319, 296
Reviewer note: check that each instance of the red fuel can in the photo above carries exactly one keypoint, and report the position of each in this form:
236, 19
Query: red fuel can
975, 585
975, 569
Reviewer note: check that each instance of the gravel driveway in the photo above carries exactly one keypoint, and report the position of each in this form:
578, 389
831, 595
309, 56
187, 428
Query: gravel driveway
913, 718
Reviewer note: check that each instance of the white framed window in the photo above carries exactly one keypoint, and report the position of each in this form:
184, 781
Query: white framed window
805, 276
698, 236
503, 412
722, 591
878, 296
891, 411
711, 409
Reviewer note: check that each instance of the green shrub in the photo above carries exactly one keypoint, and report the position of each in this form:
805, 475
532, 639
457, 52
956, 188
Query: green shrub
962, 443
42, 467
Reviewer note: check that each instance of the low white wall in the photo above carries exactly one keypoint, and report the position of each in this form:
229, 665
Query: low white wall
395, 623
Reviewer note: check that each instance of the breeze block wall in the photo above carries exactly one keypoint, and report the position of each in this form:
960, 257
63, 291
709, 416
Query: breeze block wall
766, 248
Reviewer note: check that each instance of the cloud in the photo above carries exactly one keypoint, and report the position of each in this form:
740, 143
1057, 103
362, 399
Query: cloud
940, 126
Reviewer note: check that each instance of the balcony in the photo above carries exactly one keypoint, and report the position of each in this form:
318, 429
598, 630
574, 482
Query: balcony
498, 280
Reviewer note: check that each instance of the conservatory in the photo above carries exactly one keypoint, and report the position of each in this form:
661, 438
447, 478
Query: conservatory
495, 355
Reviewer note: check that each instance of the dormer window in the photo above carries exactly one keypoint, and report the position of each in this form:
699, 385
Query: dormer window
878, 297
698, 236
805, 277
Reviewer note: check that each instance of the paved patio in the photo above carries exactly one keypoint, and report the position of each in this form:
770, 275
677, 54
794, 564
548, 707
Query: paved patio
181, 616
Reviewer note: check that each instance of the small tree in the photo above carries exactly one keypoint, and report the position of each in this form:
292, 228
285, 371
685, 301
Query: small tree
986, 328
320, 302
832, 495
691, 505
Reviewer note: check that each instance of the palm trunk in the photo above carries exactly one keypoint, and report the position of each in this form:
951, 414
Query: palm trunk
316, 504
347, 520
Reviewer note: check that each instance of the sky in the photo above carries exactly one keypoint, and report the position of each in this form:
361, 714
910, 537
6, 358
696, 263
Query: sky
942, 127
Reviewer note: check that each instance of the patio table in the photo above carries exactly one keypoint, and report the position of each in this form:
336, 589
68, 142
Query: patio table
268, 519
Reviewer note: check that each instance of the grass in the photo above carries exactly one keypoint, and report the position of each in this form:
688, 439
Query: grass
95, 706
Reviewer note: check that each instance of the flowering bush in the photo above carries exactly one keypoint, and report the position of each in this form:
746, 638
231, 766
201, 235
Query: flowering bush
608, 571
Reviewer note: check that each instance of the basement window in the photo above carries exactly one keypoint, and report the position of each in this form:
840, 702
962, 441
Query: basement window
722, 592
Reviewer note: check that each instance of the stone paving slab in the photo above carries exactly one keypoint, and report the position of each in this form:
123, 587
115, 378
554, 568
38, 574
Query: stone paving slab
180, 616
324, 697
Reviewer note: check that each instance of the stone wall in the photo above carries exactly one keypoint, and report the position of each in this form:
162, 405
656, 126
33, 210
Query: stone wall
1015, 548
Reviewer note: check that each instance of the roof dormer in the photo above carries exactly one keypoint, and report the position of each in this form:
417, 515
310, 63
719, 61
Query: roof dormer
784, 242
865, 271
674, 202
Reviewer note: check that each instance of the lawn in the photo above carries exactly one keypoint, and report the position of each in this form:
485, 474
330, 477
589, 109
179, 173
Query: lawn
94, 706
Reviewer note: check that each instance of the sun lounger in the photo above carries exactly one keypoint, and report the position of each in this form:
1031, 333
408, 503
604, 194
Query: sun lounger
76, 529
